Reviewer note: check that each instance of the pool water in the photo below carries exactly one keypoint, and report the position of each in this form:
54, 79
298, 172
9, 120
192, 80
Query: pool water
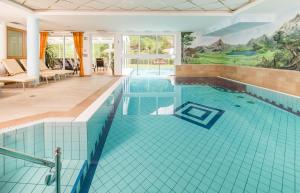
196, 138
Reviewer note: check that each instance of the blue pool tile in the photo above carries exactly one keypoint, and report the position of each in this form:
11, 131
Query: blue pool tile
249, 149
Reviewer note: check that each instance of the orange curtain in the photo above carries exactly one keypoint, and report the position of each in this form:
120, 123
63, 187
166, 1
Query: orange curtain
78, 43
43, 44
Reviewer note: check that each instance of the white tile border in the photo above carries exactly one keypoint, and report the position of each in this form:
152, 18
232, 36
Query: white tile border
33, 123
88, 112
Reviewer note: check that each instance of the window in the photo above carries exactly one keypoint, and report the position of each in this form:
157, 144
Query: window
16, 43
69, 47
133, 45
148, 44
149, 54
56, 44
100, 50
165, 44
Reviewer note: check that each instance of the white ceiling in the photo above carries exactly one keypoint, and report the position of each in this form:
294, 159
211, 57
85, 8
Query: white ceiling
83, 20
128, 23
135, 5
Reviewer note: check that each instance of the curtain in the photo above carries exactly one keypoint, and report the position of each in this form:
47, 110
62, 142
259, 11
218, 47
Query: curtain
43, 44
78, 43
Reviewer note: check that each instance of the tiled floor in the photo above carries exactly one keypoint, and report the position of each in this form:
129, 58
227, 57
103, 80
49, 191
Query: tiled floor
57, 97
31, 178
253, 147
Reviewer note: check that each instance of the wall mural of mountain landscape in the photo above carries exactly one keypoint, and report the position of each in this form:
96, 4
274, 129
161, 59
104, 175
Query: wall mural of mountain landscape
280, 49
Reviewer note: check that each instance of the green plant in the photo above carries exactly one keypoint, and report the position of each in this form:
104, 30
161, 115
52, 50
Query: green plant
50, 56
112, 66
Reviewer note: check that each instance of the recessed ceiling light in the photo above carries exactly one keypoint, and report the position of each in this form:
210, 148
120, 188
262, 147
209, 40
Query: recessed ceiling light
15, 23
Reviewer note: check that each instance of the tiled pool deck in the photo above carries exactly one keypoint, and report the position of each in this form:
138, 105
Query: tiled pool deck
66, 98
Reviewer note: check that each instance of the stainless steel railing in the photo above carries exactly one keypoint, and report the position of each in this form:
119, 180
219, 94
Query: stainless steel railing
54, 176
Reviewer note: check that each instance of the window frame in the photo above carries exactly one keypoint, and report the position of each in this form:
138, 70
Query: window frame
24, 43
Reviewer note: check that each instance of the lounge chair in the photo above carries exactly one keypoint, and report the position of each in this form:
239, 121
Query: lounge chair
16, 73
71, 64
43, 74
99, 64
58, 63
44, 68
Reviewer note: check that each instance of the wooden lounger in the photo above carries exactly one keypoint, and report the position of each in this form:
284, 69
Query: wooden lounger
18, 78
16, 73
44, 68
44, 75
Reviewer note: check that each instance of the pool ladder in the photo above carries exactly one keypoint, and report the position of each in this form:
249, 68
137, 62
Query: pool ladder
53, 176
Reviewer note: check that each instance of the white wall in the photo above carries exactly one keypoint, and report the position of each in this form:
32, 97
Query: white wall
177, 60
3, 45
33, 47
118, 54
87, 53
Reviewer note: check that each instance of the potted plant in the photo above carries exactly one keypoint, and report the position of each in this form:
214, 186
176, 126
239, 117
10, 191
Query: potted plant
50, 57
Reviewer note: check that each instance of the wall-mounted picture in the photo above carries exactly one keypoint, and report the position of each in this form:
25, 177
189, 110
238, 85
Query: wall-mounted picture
279, 49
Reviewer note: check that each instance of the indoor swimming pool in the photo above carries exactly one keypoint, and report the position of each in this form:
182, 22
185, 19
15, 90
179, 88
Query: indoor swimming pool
166, 135
200, 135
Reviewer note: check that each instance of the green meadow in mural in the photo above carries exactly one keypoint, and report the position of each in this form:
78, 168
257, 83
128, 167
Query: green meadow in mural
279, 50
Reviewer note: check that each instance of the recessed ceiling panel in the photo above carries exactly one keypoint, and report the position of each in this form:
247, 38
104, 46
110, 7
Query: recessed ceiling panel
135, 5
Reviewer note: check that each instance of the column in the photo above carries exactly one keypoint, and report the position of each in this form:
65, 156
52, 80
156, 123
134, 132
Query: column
3, 45
109, 54
3, 40
33, 47
64, 53
177, 60
118, 61
87, 53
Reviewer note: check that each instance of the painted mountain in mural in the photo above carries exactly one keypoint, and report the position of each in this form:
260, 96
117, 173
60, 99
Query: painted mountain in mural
279, 50
291, 27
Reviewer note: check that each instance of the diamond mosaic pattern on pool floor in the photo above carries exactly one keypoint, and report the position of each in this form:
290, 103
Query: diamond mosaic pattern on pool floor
201, 115
253, 148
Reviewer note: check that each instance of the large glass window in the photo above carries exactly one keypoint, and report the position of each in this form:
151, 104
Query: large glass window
165, 44
69, 47
100, 50
103, 48
59, 51
149, 54
133, 44
16, 43
56, 44
148, 44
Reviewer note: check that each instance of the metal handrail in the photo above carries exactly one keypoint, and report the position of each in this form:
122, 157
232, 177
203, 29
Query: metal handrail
50, 178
